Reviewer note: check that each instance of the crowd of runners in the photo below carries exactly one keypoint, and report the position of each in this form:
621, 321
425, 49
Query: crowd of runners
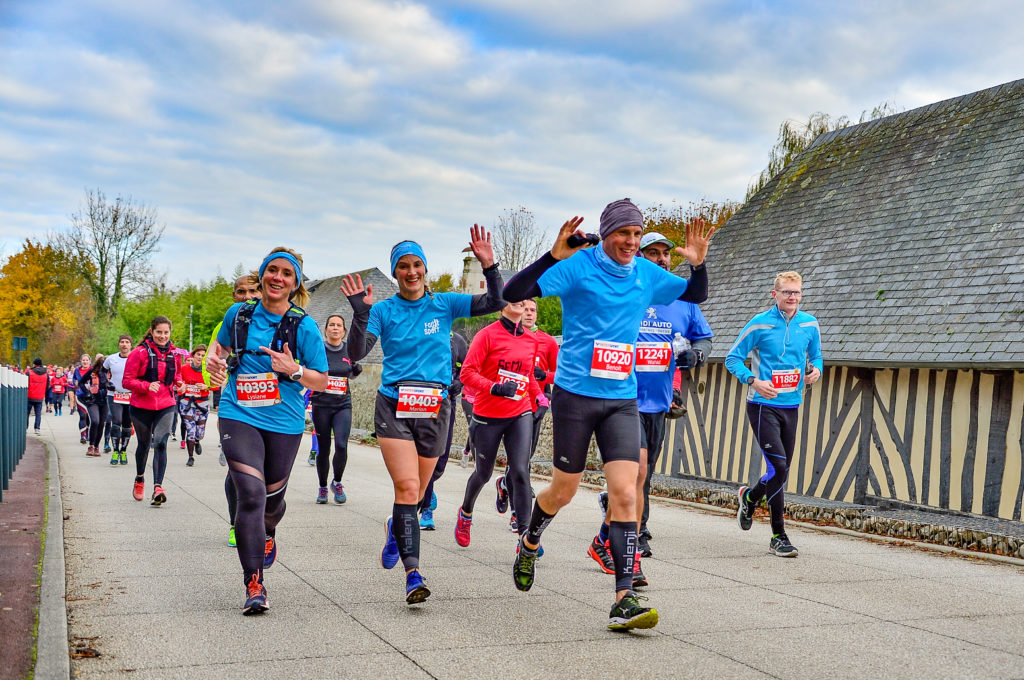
629, 327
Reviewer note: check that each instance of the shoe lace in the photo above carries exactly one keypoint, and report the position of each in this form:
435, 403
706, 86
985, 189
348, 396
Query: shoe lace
269, 545
254, 587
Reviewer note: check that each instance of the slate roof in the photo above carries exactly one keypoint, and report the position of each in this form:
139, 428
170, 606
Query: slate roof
325, 299
908, 230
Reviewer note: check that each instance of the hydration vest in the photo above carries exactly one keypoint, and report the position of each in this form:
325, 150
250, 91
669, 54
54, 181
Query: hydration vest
286, 331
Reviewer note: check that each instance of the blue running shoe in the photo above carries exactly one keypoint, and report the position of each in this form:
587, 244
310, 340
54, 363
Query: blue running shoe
256, 597
433, 500
321, 495
269, 552
416, 590
339, 492
389, 555
427, 520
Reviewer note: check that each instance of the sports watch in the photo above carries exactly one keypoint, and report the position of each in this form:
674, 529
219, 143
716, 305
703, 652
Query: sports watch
750, 380
297, 375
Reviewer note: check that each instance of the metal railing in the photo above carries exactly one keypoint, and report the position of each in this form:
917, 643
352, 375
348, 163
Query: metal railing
13, 423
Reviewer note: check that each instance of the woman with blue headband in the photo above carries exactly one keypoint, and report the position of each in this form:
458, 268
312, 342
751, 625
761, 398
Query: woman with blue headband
278, 353
412, 409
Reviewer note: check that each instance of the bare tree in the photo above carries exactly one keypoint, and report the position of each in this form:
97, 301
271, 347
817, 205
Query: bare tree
517, 239
114, 241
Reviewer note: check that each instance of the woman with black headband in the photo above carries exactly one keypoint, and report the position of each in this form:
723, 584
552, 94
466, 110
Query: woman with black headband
412, 409
262, 413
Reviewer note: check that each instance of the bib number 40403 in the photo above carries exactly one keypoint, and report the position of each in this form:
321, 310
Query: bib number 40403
612, 360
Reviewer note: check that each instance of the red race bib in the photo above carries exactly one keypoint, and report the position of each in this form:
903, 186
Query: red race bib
337, 385
418, 402
786, 380
257, 389
653, 357
612, 360
122, 397
521, 381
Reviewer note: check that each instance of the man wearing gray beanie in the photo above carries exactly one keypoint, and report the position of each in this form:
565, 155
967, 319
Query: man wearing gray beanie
605, 291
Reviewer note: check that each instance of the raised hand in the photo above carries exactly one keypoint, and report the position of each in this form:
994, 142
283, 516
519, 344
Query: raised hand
480, 243
561, 250
354, 286
283, 361
698, 238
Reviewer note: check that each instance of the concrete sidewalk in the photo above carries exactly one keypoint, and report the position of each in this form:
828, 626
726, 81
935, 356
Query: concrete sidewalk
157, 592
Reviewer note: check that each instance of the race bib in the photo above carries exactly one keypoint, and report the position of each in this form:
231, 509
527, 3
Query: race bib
612, 360
786, 380
418, 402
653, 357
122, 397
521, 381
257, 389
195, 390
58, 389
337, 385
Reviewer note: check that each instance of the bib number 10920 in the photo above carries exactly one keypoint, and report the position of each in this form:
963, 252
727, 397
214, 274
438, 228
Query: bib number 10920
612, 360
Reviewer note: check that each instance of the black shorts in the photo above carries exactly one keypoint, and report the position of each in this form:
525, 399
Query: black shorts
615, 423
430, 434
652, 433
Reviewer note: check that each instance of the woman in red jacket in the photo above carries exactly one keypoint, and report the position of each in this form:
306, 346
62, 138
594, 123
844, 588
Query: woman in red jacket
151, 373
58, 386
499, 369
194, 403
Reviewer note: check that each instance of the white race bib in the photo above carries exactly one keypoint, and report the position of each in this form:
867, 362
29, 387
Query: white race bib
521, 381
418, 402
337, 385
257, 389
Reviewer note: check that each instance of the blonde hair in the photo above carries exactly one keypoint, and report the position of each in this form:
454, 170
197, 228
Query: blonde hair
788, 276
300, 296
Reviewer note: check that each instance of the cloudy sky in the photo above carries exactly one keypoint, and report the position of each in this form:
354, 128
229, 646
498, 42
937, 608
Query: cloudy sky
339, 127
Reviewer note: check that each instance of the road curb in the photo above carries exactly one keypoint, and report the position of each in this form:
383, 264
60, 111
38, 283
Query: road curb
52, 660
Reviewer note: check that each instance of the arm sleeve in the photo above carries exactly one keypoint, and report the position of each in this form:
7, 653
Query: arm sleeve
697, 288
524, 284
360, 339
491, 301
704, 345
470, 374
739, 353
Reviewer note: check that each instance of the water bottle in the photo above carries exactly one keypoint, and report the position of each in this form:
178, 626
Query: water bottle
679, 344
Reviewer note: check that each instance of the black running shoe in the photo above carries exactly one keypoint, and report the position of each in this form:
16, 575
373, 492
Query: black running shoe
642, 546
627, 613
745, 511
523, 567
781, 546
199, 449
501, 500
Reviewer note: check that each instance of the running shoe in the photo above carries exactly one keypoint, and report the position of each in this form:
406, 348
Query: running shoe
82, 439
106, 447
781, 546
223, 459
462, 526
639, 580
433, 500
602, 502
312, 458
139, 489
190, 462
269, 552
124, 458
231, 538
182, 444
513, 524
427, 520
501, 500
523, 568
540, 549
745, 509
389, 554
256, 597
600, 551
627, 614
199, 449
643, 548
321, 495
416, 590
113, 458
159, 497
173, 437
339, 492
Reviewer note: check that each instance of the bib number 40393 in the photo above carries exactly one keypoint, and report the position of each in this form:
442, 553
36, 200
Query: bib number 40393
418, 402
612, 360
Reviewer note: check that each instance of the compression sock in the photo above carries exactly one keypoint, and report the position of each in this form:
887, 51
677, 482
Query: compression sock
623, 548
539, 521
602, 535
405, 525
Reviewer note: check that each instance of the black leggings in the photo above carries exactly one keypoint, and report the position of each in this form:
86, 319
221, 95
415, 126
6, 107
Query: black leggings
259, 462
517, 433
442, 463
83, 418
97, 417
328, 419
775, 429
152, 427
467, 410
120, 424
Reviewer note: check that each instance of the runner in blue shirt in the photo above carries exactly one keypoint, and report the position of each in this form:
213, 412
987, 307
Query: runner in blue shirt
665, 331
785, 346
605, 292
262, 415
412, 410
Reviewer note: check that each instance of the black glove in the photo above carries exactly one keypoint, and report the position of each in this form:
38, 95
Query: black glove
356, 369
539, 373
507, 390
687, 359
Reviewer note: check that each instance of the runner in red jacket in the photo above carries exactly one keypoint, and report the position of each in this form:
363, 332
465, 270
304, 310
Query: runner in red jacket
499, 368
